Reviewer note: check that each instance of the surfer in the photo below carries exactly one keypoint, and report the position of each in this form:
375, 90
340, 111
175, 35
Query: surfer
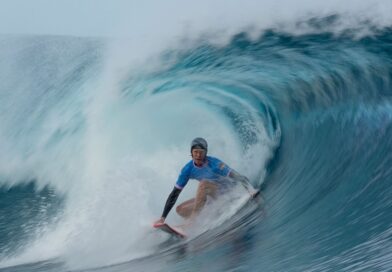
214, 176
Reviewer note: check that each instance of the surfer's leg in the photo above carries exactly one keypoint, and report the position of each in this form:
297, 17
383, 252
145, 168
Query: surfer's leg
205, 189
185, 209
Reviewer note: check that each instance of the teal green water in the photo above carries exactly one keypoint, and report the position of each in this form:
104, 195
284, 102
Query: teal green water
320, 104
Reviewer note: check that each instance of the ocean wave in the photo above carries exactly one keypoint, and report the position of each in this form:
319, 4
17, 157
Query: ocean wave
307, 117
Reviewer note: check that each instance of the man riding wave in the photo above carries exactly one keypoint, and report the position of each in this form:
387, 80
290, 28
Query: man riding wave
214, 176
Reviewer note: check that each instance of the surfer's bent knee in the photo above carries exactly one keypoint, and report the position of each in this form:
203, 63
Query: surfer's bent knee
207, 187
205, 183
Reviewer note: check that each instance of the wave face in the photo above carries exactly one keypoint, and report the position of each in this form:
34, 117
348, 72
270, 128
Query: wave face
307, 117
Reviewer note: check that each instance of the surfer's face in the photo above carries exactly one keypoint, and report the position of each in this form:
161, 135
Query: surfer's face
198, 156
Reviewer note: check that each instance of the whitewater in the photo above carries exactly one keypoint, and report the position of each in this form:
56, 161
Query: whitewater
95, 130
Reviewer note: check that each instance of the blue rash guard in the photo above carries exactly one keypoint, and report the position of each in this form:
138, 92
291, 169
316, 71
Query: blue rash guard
213, 170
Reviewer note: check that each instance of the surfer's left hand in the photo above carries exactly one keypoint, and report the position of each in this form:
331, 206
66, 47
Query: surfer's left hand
253, 193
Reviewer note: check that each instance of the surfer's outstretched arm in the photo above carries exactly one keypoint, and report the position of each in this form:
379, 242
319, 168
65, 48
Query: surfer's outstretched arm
171, 200
244, 181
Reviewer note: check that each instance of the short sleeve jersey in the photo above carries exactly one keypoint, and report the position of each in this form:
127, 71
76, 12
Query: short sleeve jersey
212, 170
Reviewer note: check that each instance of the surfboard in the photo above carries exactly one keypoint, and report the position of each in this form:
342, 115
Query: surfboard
171, 230
176, 232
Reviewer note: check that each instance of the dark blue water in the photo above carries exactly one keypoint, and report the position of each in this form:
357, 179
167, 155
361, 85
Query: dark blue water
24, 211
309, 116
